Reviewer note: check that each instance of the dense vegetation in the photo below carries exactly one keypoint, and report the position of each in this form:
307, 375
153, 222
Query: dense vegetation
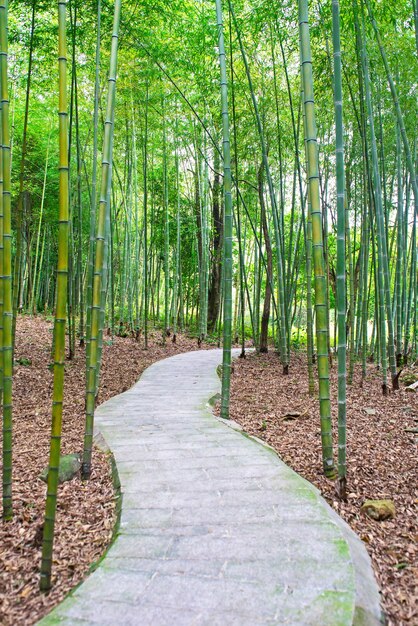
159, 199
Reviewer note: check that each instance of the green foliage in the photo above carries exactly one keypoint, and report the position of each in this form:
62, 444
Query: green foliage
24, 361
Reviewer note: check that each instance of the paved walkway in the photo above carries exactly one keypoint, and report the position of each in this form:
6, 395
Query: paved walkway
215, 529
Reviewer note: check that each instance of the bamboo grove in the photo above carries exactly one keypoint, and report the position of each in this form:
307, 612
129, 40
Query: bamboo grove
241, 171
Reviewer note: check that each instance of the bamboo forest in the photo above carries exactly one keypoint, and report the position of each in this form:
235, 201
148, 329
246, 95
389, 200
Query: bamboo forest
208, 229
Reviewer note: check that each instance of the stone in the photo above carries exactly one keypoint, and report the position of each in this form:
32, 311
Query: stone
413, 387
379, 510
69, 467
370, 411
291, 415
214, 399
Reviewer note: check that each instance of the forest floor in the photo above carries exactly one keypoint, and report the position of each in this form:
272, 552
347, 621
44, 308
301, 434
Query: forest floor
86, 510
381, 464
381, 459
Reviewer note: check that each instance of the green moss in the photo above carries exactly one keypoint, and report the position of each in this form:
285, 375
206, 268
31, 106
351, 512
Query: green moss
214, 399
364, 618
342, 548
409, 378
69, 466
23, 361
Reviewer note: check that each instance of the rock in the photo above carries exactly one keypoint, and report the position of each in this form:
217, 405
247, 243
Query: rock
69, 467
291, 415
215, 399
413, 387
370, 411
379, 510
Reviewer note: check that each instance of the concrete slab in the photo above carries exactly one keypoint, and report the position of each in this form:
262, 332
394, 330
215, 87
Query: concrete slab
215, 529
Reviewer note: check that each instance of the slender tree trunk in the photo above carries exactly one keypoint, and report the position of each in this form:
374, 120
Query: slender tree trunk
61, 310
317, 242
341, 229
269, 253
227, 264
215, 283
100, 250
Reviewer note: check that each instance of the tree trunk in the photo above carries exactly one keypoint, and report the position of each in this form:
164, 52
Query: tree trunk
214, 297
267, 295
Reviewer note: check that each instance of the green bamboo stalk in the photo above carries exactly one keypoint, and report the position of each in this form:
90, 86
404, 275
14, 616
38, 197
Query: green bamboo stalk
241, 249
399, 251
61, 308
145, 209
227, 258
263, 348
365, 303
137, 230
105, 271
412, 291
352, 304
166, 330
92, 373
385, 297
341, 244
317, 242
32, 306
93, 200
5, 448
7, 270
78, 290
405, 272
175, 312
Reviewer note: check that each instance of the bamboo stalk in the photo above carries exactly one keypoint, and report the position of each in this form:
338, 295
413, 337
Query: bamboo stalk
341, 245
227, 257
7, 270
61, 308
317, 242
92, 374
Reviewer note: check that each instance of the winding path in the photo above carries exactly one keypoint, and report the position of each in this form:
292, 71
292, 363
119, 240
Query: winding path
215, 528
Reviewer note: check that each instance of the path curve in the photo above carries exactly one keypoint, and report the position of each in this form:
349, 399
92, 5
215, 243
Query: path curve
215, 528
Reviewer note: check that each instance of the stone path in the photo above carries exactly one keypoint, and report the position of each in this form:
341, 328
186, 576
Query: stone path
215, 529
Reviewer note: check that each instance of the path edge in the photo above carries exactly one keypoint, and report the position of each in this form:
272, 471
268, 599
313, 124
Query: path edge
367, 610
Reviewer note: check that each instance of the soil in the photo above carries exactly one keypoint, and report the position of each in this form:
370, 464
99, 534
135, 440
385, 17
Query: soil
86, 510
381, 459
